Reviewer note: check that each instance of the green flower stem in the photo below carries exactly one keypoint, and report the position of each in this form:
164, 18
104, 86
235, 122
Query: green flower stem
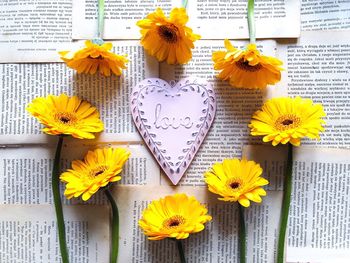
251, 22
101, 14
287, 192
184, 3
115, 227
57, 201
181, 250
242, 235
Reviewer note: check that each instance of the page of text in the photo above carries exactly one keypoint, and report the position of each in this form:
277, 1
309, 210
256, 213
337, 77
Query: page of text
319, 221
28, 233
318, 67
23, 82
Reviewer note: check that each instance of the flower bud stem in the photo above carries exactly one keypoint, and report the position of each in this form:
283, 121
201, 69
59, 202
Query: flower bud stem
287, 192
251, 22
181, 250
101, 14
242, 235
57, 201
115, 227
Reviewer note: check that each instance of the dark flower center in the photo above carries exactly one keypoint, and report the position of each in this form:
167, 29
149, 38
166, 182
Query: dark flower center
168, 33
64, 119
244, 65
234, 185
174, 221
97, 171
287, 122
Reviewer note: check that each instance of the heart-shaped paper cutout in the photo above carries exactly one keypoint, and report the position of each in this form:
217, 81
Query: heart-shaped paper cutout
173, 119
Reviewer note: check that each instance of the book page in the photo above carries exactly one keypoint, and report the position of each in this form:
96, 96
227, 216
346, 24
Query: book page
325, 15
120, 17
211, 19
319, 221
217, 243
317, 67
26, 172
235, 107
29, 234
34, 31
228, 19
23, 82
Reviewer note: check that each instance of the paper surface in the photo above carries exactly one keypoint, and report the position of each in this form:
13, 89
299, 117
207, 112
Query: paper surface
211, 19
317, 67
34, 31
217, 243
325, 15
23, 82
319, 222
26, 172
28, 234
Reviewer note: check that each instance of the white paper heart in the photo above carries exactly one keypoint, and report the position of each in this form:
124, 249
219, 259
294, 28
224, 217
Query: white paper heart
173, 119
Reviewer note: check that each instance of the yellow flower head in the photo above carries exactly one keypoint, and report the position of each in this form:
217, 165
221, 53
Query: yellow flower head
283, 120
66, 115
168, 38
93, 57
246, 68
174, 216
99, 167
236, 180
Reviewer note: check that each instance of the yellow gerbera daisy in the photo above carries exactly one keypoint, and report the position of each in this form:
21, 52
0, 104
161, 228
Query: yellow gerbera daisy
99, 167
95, 56
236, 180
66, 115
246, 68
174, 216
283, 120
168, 38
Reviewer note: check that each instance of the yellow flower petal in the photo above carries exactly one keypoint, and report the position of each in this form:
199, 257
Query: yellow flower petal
246, 68
66, 115
174, 216
168, 39
236, 180
95, 57
287, 120
99, 168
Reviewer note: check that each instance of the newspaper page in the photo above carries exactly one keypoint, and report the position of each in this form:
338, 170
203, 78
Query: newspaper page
235, 107
211, 19
317, 67
28, 234
23, 82
26, 172
217, 243
325, 15
319, 222
34, 31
